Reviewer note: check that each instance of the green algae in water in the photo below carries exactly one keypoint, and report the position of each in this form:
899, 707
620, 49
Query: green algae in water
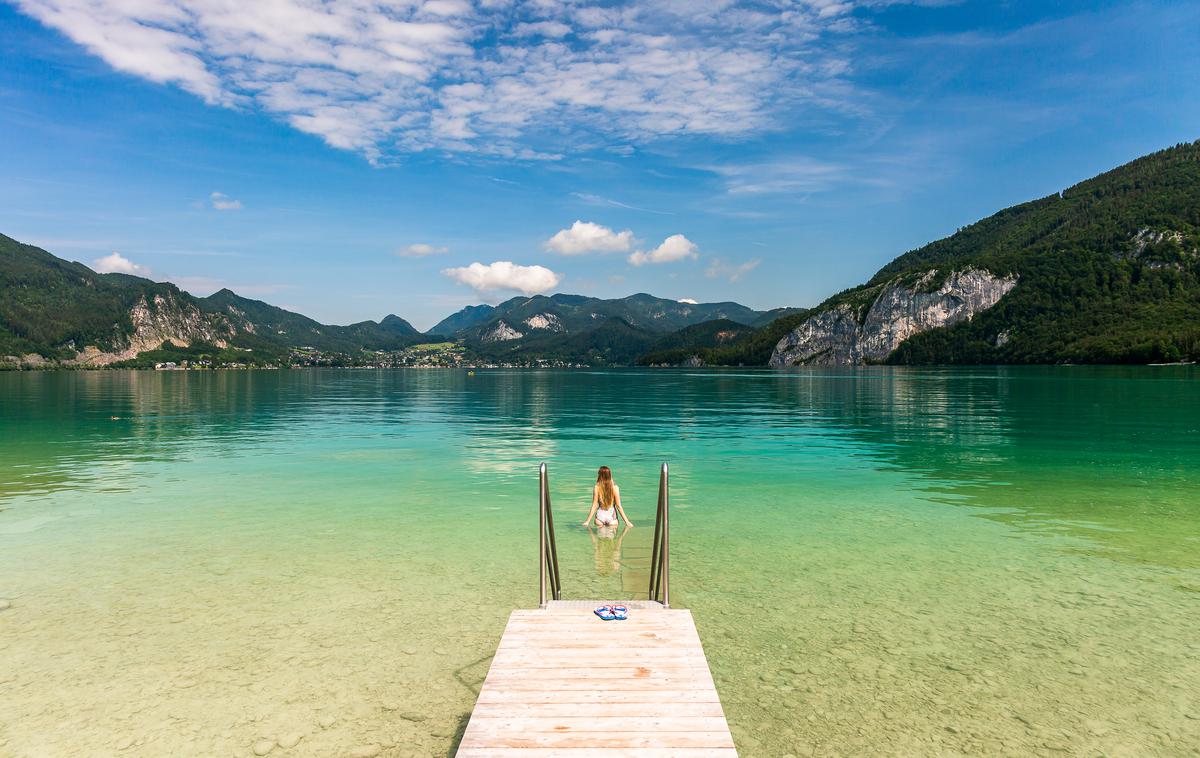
880, 561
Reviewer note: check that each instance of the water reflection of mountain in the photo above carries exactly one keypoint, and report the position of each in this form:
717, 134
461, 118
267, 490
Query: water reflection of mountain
68, 428
1103, 454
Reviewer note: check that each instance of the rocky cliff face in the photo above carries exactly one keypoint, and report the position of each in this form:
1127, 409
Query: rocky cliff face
547, 321
835, 336
161, 319
501, 332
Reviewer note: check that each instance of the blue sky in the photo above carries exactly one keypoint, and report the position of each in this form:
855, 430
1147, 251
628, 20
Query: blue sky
353, 158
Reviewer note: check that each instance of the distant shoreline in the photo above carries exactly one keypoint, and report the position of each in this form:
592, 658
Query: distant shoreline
764, 369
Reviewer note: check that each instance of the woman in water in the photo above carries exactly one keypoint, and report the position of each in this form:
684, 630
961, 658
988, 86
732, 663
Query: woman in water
606, 501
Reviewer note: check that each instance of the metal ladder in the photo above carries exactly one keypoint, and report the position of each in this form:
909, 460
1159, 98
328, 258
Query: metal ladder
549, 578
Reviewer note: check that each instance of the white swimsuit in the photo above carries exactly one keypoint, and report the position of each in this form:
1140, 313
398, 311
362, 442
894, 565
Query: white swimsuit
606, 516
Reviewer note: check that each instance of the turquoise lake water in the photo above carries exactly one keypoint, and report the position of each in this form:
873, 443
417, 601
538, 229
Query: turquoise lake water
880, 561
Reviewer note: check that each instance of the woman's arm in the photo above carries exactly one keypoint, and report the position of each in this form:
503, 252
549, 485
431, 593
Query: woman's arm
620, 510
595, 505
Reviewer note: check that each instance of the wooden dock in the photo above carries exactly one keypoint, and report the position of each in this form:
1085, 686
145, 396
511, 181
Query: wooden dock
565, 683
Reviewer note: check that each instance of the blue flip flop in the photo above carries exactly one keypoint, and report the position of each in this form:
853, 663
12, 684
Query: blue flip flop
605, 612
620, 612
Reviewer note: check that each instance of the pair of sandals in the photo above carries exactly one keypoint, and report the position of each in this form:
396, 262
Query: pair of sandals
612, 612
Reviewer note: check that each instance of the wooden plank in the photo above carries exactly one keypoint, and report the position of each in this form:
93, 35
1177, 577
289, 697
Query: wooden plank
617, 659
587, 605
602, 651
614, 644
610, 649
600, 627
718, 739
556, 709
504, 725
645, 669
593, 752
566, 634
574, 685
586, 697
575, 634
576, 617
564, 682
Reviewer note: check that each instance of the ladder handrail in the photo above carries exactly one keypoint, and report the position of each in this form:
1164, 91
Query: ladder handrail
547, 547
542, 536
660, 556
549, 579
555, 579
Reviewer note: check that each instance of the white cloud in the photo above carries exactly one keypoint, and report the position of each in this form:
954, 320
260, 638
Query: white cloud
542, 28
586, 237
505, 275
118, 264
688, 301
421, 250
385, 77
781, 175
222, 202
674, 248
731, 271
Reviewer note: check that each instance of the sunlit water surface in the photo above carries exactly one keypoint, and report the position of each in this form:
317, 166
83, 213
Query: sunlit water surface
880, 562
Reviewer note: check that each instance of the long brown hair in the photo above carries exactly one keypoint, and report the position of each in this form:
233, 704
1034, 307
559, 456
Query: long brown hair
604, 486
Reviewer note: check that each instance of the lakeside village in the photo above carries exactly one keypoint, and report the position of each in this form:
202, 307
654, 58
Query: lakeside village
432, 355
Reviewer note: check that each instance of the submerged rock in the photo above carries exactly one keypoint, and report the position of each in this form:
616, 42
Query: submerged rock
290, 740
262, 747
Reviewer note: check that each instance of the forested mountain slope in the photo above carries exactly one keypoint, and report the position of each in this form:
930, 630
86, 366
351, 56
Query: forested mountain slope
1107, 271
56, 312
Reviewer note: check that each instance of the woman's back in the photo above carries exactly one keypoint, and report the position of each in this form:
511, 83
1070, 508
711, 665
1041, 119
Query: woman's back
609, 499
606, 500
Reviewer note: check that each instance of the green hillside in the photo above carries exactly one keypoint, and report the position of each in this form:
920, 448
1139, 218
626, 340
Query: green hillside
1109, 272
613, 342
472, 315
679, 347
751, 347
265, 324
54, 308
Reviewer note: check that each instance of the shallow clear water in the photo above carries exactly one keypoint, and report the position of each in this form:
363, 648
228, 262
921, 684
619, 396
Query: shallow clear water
880, 561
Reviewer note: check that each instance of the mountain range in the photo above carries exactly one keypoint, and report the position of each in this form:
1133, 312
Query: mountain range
1106, 271
591, 330
59, 312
